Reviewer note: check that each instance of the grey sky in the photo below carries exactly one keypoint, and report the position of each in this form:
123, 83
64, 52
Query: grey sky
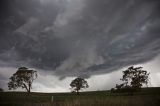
69, 38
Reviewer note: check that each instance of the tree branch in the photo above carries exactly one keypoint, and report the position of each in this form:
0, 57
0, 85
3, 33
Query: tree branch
26, 87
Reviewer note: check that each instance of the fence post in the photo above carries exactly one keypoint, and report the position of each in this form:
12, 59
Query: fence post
52, 99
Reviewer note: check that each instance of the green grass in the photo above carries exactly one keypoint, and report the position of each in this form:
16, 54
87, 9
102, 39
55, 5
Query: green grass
147, 97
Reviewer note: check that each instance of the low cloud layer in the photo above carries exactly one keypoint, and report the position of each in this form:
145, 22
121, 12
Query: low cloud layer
78, 37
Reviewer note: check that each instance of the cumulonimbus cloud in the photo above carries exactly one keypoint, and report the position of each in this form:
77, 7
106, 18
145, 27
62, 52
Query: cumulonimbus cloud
79, 37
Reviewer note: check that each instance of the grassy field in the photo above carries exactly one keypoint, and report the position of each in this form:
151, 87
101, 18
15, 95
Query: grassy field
147, 97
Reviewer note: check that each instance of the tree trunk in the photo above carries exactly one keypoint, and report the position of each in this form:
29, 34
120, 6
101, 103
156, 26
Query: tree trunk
26, 88
29, 87
77, 92
29, 90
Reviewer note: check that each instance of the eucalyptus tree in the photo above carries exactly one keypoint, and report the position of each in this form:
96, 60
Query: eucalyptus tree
23, 78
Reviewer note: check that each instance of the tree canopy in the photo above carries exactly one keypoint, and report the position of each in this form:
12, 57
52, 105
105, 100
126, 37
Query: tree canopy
78, 84
1, 90
136, 77
133, 79
22, 78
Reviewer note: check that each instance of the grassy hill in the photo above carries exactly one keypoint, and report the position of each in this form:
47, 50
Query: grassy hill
147, 97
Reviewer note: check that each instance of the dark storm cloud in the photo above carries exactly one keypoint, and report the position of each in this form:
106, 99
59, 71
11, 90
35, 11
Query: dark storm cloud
25, 31
80, 37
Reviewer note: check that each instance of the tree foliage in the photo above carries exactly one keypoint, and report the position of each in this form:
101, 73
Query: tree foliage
1, 90
22, 78
78, 84
133, 79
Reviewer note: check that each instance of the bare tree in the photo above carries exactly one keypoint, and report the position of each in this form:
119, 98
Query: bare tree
22, 78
